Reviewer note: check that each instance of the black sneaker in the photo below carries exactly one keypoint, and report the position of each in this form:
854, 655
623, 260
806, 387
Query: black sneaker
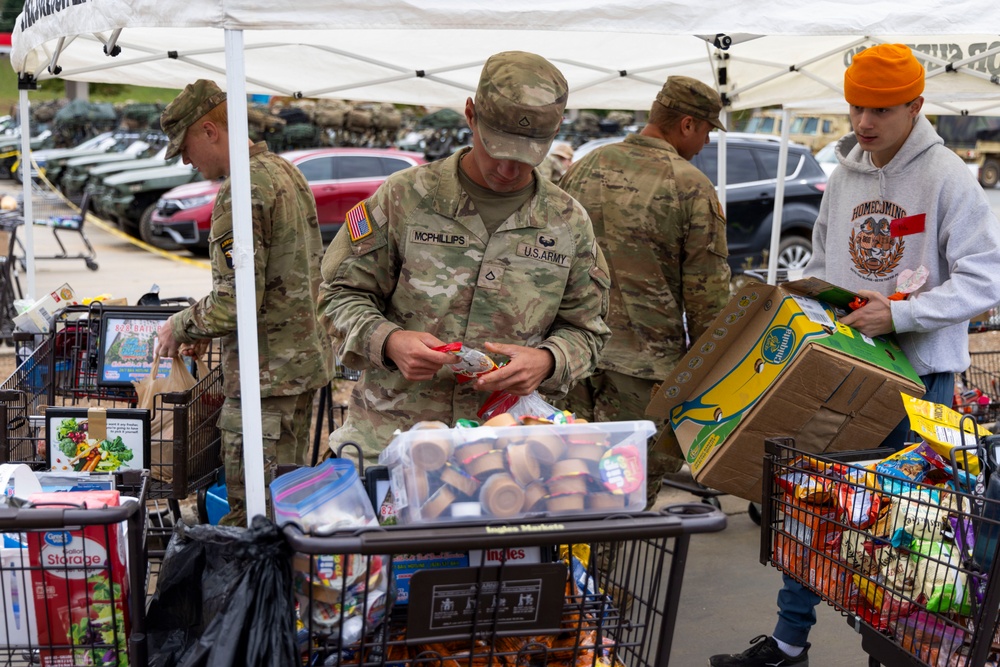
763, 652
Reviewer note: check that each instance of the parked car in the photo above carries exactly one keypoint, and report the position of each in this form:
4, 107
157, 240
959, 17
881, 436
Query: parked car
751, 180
339, 179
827, 158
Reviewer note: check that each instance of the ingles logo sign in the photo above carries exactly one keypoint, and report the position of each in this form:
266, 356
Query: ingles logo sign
777, 344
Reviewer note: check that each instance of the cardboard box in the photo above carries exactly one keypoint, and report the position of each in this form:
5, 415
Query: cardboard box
80, 585
776, 362
38, 318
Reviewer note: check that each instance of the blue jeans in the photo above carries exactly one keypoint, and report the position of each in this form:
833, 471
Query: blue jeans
796, 603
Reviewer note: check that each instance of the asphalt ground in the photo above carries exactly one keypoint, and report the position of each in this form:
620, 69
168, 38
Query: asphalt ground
728, 596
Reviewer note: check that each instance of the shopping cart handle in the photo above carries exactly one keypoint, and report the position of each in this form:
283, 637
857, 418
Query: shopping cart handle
462, 536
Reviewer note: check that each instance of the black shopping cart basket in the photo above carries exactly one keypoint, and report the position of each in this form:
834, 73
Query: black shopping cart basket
74, 582
602, 591
910, 564
67, 369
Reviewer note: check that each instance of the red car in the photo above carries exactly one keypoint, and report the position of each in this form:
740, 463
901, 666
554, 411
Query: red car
339, 178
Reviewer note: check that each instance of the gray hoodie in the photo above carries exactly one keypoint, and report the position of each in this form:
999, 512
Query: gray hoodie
959, 243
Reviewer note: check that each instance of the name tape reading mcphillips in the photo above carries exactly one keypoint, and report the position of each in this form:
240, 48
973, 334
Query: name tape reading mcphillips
39, 9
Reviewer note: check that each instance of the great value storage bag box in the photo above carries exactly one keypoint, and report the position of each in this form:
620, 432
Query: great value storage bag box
80, 586
777, 362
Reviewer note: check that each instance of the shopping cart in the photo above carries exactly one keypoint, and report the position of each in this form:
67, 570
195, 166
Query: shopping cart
906, 563
10, 283
61, 215
58, 582
602, 591
979, 387
64, 370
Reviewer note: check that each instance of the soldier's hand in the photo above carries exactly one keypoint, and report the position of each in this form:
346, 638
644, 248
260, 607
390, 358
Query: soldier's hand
872, 319
528, 367
195, 349
166, 346
411, 352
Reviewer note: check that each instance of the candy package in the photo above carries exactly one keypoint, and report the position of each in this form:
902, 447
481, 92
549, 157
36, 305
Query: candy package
471, 363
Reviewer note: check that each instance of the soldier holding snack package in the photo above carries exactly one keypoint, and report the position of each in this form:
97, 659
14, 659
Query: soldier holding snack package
474, 249
900, 203
662, 230
294, 351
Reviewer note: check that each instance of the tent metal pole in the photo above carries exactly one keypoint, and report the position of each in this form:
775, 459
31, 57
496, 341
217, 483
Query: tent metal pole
779, 200
243, 263
24, 110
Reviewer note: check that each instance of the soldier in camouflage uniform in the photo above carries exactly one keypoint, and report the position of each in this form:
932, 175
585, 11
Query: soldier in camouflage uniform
662, 230
294, 352
556, 162
475, 248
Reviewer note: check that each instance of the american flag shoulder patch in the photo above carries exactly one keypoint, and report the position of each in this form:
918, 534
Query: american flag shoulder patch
358, 223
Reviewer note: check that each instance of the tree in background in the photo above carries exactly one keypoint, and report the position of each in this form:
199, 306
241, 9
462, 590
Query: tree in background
9, 13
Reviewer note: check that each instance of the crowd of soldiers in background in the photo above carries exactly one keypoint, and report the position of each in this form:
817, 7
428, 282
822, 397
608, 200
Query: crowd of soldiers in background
289, 124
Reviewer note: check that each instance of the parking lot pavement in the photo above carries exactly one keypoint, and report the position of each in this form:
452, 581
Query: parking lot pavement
126, 267
728, 597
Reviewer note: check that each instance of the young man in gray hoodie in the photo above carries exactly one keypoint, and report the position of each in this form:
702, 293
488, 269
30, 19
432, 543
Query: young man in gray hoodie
899, 200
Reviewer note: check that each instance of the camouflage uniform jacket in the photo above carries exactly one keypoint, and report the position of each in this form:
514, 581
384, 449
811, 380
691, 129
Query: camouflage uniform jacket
295, 353
663, 233
428, 264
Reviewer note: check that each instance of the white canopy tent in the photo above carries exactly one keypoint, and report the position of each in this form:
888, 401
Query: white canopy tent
615, 55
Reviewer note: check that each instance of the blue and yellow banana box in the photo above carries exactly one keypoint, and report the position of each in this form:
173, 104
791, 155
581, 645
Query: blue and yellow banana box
777, 362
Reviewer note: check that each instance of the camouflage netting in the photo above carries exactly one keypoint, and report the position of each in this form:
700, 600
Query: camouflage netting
79, 120
136, 116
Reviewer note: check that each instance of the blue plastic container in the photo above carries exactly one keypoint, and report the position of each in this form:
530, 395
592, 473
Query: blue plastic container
216, 503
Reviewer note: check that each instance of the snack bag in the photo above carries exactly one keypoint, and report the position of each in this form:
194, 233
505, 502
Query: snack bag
943, 428
472, 363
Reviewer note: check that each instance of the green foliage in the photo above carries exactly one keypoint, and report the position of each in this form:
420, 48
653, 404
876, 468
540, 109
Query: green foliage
51, 89
9, 11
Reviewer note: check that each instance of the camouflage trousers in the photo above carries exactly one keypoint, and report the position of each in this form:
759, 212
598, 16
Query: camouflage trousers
285, 424
610, 396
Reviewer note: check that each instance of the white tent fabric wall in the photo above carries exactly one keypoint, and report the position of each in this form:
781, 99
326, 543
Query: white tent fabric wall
614, 53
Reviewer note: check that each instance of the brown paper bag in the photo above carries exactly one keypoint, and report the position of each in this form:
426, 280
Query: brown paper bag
161, 422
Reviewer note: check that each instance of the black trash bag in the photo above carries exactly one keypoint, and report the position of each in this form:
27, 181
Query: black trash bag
224, 599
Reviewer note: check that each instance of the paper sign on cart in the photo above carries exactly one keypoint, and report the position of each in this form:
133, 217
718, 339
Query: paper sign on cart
524, 598
97, 440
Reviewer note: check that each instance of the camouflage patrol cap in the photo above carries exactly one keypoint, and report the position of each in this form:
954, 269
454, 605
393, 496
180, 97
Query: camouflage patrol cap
519, 106
691, 97
196, 100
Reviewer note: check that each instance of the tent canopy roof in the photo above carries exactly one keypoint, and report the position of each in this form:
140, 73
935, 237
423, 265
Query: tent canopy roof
615, 54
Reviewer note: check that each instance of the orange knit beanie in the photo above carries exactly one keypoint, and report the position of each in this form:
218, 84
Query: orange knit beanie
883, 76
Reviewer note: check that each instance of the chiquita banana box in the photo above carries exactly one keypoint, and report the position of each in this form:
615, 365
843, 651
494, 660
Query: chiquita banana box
776, 362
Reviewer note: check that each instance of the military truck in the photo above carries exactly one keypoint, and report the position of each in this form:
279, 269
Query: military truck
987, 155
128, 198
78, 170
812, 130
10, 149
99, 172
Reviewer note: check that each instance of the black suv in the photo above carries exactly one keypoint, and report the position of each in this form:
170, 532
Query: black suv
751, 179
